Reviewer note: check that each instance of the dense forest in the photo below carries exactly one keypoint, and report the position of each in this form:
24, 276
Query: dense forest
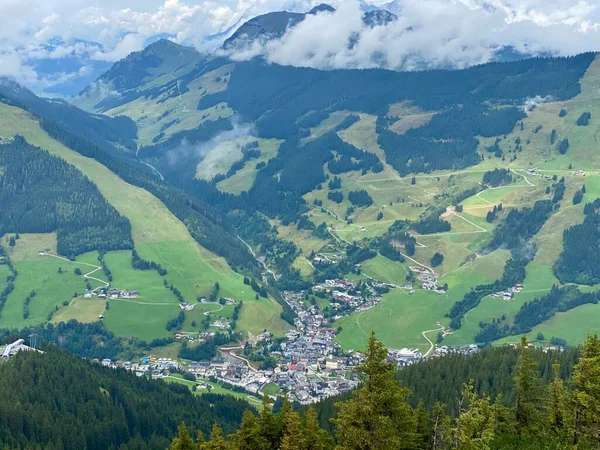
58, 401
72, 127
579, 261
40, 193
522, 399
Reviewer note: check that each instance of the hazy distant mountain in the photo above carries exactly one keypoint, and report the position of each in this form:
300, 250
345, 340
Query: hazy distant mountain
273, 25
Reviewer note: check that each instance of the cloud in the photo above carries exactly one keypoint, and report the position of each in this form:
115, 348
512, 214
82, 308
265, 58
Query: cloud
435, 33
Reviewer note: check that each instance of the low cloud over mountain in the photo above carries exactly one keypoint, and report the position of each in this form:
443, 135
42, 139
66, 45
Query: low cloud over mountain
49, 43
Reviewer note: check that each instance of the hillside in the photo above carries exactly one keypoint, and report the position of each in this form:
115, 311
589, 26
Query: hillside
381, 154
158, 236
64, 402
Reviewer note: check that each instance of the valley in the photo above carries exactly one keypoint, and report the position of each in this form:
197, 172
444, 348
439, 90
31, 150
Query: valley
443, 211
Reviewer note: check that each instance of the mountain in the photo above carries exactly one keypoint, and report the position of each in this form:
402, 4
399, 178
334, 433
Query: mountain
290, 154
62, 401
274, 25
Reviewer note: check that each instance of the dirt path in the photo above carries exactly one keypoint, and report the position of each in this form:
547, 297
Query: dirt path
86, 275
432, 345
524, 177
208, 313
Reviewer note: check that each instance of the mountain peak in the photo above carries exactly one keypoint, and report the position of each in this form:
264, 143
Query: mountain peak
323, 7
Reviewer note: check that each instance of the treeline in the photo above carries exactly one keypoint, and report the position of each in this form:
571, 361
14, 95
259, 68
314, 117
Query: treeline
263, 92
206, 225
40, 193
536, 312
142, 264
205, 351
58, 401
521, 225
579, 262
447, 141
497, 177
540, 414
85, 340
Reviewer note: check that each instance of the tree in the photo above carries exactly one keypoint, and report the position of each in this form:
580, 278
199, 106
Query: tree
217, 441
437, 259
556, 401
441, 428
529, 402
293, 435
77, 271
183, 440
474, 425
11, 241
270, 426
248, 436
413, 180
586, 380
377, 417
316, 437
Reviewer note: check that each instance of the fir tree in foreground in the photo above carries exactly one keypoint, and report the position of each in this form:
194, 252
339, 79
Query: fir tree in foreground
377, 416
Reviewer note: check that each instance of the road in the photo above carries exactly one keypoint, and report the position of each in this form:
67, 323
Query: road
432, 345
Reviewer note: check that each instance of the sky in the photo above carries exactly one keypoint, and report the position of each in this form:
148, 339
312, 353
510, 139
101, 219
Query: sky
434, 33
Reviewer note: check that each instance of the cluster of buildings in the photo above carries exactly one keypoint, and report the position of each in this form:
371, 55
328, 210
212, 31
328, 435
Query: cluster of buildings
467, 350
106, 292
428, 280
509, 293
10, 350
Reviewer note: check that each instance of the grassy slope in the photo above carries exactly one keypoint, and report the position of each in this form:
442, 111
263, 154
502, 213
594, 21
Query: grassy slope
158, 236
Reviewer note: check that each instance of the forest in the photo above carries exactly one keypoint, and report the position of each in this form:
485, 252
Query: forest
59, 401
508, 399
40, 193
579, 261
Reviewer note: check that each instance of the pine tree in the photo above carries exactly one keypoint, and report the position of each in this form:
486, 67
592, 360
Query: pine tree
556, 401
316, 437
183, 440
270, 428
586, 380
529, 402
474, 425
217, 441
423, 427
378, 416
441, 432
293, 434
248, 436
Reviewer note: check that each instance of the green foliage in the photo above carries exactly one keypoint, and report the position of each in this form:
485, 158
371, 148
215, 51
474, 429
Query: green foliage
360, 198
40, 193
497, 177
377, 416
437, 259
63, 401
579, 261
584, 119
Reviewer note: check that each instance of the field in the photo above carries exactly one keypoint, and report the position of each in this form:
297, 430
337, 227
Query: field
158, 236
214, 389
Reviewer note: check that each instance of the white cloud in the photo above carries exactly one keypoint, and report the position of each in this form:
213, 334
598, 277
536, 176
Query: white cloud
440, 32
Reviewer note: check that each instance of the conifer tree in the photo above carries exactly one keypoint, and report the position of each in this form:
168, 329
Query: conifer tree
378, 416
474, 425
217, 441
183, 440
556, 401
248, 436
270, 427
316, 437
441, 428
529, 404
423, 426
586, 380
293, 435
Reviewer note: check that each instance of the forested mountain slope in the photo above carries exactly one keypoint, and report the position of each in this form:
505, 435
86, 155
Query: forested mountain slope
57, 401
303, 161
